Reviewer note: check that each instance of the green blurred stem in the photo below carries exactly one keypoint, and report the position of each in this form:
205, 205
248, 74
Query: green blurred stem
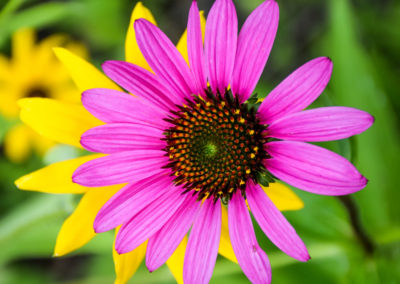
351, 207
349, 202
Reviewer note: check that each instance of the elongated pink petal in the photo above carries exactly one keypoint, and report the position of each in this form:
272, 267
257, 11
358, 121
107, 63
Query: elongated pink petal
297, 91
202, 249
321, 124
129, 201
312, 168
163, 243
274, 224
254, 45
119, 137
252, 259
195, 47
121, 168
220, 44
142, 83
117, 107
149, 220
164, 58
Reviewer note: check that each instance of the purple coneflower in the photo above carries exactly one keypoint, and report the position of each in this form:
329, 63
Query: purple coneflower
194, 140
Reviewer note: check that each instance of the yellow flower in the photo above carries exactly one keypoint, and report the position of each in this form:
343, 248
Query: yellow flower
33, 71
65, 122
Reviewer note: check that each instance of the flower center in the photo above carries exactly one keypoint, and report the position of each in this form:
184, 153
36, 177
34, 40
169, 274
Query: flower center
215, 145
37, 92
210, 150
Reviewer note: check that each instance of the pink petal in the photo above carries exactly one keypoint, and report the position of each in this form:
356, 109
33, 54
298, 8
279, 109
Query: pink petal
164, 58
195, 47
312, 168
121, 168
254, 45
114, 106
119, 137
142, 83
274, 224
149, 220
163, 243
202, 249
129, 201
220, 44
321, 124
297, 91
252, 259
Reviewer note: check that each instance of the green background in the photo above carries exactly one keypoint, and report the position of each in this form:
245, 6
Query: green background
363, 39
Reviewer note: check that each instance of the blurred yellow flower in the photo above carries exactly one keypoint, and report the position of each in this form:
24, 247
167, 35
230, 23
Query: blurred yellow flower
32, 71
66, 122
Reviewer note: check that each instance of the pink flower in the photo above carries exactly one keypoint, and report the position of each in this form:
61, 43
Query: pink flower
191, 140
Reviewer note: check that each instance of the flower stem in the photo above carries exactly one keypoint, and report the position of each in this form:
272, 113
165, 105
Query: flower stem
351, 208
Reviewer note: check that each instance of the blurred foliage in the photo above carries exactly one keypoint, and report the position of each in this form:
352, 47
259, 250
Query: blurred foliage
363, 39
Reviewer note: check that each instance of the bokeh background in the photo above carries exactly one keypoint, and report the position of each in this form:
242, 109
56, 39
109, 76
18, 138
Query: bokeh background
351, 240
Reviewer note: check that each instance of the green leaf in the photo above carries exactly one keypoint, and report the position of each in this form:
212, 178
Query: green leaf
39, 15
30, 230
356, 83
32, 226
10, 7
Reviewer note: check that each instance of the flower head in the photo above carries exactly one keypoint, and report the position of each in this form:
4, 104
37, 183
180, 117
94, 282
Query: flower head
65, 122
194, 138
33, 71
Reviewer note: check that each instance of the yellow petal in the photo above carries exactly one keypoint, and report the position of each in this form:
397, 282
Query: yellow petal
126, 264
84, 74
22, 44
78, 49
132, 51
225, 247
9, 94
77, 230
5, 73
43, 54
182, 43
175, 262
49, 71
18, 143
283, 197
61, 122
65, 92
55, 178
